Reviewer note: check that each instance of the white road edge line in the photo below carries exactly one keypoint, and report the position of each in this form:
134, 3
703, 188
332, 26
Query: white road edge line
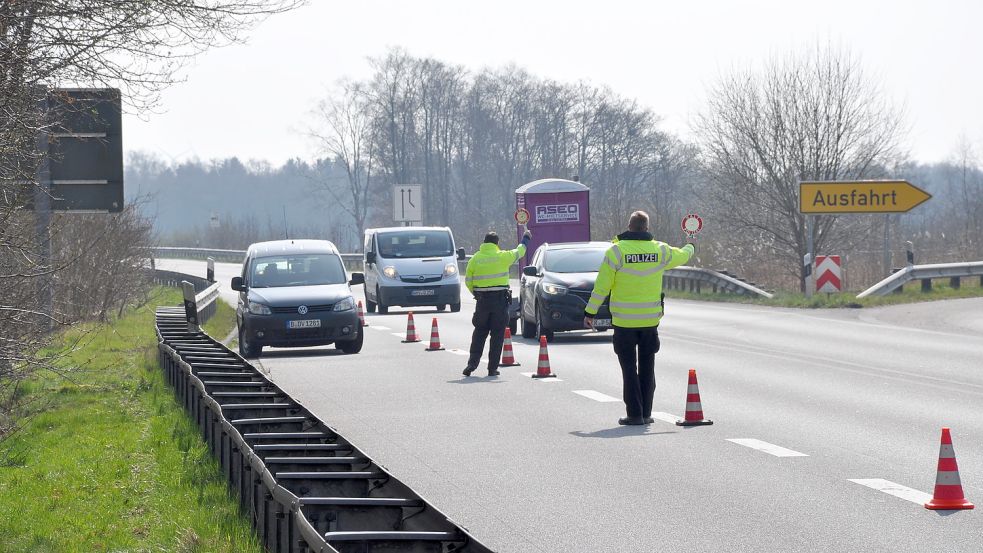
771, 449
379, 327
665, 417
596, 396
891, 488
398, 334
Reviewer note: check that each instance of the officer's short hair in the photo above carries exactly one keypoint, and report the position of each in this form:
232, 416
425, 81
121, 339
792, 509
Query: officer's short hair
638, 222
491, 238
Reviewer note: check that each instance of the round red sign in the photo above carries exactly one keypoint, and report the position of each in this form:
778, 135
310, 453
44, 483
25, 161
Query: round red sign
692, 224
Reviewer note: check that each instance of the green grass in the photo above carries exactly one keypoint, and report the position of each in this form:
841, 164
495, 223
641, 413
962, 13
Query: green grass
912, 293
112, 463
222, 322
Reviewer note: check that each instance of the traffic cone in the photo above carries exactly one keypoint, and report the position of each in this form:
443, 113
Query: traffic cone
410, 330
434, 337
694, 409
543, 369
361, 314
508, 357
948, 489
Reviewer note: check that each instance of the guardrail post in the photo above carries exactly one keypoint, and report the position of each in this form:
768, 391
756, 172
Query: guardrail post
954, 282
190, 307
210, 271
926, 285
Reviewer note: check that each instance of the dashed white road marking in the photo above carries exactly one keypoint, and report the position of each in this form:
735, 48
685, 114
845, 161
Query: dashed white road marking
771, 449
379, 327
595, 395
665, 417
891, 488
398, 334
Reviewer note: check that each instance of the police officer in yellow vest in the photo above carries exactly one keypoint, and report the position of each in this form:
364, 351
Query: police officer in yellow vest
632, 273
487, 277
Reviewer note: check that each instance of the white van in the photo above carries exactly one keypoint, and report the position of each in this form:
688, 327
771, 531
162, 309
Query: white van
410, 267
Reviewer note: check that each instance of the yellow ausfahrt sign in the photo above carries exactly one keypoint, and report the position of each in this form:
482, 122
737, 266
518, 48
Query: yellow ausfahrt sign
860, 197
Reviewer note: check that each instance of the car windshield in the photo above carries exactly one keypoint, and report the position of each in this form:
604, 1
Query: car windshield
572, 260
310, 269
415, 243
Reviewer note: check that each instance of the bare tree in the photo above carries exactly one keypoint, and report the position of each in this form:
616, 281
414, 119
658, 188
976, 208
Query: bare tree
805, 117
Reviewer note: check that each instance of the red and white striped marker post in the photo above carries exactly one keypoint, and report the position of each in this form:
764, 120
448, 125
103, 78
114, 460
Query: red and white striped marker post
434, 337
694, 408
508, 356
543, 368
410, 330
829, 274
361, 314
948, 488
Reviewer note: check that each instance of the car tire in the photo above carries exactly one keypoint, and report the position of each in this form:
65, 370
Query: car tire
528, 329
540, 329
441, 307
352, 346
455, 307
383, 308
248, 349
369, 304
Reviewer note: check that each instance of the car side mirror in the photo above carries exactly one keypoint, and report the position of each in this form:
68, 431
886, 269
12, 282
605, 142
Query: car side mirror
357, 278
530, 270
460, 254
370, 257
238, 285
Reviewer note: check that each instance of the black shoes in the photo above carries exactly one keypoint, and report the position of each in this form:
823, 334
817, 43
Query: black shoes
493, 372
648, 420
631, 421
468, 371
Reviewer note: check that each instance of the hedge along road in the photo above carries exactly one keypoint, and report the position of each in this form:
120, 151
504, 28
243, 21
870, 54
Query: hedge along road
804, 403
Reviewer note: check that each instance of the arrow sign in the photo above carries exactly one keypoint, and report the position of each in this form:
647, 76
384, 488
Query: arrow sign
860, 197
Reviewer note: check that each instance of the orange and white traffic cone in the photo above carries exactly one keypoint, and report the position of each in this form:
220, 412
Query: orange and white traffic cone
410, 330
508, 357
361, 314
543, 369
434, 337
948, 489
694, 409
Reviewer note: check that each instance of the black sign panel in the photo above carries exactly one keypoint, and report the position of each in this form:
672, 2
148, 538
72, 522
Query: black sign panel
85, 147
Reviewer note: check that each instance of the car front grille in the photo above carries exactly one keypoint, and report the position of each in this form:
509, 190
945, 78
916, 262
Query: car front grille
416, 279
310, 308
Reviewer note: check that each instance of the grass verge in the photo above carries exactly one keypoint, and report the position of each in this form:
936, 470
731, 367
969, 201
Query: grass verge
911, 294
222, 322
112, 463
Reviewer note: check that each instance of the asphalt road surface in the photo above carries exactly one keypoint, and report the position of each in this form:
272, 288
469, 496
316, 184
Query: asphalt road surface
826, 434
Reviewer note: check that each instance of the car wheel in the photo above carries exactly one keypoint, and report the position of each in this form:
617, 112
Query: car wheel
247, 348
369, 304
528, 329
455, 307
352, 346
383, 308
540, 329
441, 307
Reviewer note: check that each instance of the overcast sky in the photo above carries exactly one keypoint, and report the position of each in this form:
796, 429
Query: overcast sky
250, 100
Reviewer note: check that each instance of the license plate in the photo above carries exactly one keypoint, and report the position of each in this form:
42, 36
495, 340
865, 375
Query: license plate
306, 323
428, 292
602, 323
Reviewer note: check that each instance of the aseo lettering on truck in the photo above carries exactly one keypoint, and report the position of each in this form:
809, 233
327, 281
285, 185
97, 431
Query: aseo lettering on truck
560, 213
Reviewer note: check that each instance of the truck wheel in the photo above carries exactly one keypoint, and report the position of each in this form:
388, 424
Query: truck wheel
383, 308
369, 304
441, 307
455, 307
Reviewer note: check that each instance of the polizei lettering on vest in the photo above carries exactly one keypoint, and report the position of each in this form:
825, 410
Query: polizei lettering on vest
855, 199
641, 258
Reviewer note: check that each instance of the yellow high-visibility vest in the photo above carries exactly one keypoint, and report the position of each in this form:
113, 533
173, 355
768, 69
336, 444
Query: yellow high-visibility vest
632, 274
488, 269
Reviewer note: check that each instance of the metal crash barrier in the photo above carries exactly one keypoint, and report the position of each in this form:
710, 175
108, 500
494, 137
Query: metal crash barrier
304, 487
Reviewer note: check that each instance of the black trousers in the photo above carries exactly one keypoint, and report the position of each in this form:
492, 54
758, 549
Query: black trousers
636, 348
491, 316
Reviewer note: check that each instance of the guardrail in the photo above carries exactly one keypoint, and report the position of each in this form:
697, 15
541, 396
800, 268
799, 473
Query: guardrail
953, 271
304, 487
206, 291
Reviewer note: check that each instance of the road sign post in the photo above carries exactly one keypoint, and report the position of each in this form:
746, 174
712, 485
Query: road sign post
408, 203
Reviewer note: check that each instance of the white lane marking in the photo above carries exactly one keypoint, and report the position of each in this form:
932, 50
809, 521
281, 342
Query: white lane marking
596, 396
771, 449
891, 488
665, 417
379, 327
398, 334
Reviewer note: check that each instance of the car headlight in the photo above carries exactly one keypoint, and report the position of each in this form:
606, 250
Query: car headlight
259, 309
450, 269
389, 271
554, 290
346, 304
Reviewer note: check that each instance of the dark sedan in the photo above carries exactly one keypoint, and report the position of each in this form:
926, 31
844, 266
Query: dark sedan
554, 290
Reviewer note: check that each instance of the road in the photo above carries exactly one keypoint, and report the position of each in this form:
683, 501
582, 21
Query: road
542, 465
